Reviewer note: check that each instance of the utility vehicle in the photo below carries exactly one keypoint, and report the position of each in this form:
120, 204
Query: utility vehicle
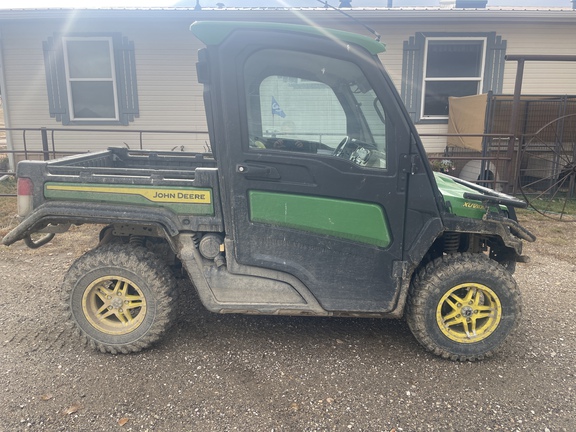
316, 199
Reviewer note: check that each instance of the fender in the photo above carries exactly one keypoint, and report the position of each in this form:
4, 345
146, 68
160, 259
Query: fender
57, 213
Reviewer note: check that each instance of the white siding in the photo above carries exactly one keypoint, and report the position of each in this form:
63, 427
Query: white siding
539, 77
542, 77
433, 144
522, 38
171, 99
169, 96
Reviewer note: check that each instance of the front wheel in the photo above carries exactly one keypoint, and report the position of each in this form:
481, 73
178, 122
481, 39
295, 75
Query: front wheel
120, 298
463, 306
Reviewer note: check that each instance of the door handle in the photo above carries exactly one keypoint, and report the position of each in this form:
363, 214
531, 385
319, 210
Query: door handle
258, 171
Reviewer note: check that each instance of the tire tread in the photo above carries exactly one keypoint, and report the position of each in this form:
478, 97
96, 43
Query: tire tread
140, 261
430, 278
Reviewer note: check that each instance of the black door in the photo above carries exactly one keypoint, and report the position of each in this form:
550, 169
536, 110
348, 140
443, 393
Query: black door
310, 173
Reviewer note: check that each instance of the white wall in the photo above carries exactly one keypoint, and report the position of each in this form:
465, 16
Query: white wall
169, 96
171, 99
539, 78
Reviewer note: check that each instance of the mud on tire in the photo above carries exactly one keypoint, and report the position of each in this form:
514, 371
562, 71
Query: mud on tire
120, 298
463, 306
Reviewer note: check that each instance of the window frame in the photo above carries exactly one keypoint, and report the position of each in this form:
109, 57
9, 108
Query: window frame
411, 90
70, 80
425, 79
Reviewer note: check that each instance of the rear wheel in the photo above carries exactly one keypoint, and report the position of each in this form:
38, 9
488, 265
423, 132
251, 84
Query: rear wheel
463, 306
120, 298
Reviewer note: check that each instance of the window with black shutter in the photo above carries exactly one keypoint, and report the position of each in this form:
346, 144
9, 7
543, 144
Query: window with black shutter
91, 79
439, 65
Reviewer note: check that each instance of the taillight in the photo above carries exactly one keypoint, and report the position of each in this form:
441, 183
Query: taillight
25, 196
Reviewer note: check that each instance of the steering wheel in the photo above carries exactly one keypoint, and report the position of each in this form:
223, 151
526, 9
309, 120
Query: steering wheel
340, 149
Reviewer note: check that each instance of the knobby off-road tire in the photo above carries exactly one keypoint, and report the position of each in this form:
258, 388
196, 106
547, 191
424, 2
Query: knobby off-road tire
120, 298
463, 306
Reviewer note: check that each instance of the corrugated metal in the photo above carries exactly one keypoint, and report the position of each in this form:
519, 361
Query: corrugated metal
270, 8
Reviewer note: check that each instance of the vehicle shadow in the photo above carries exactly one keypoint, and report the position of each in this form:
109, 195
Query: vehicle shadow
197, 326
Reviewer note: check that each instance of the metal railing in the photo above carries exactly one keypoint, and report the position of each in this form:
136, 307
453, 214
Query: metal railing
494, 163
493, 169
46, 146
49, 144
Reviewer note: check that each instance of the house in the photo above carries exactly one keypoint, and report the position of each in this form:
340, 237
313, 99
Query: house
132, 72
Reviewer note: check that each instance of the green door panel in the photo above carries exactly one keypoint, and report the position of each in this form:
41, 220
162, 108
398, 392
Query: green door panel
351, 220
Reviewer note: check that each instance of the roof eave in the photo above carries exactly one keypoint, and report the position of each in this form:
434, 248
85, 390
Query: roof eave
367, 14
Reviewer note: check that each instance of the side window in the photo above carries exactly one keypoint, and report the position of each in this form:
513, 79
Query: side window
314, 105
301, 109
91, 79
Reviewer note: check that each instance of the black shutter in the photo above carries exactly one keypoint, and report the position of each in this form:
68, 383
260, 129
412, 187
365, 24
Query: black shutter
126, 79
56, 80
412, 70
494, 71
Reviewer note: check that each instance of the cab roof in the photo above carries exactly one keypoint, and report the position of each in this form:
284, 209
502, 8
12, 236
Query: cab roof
214, 32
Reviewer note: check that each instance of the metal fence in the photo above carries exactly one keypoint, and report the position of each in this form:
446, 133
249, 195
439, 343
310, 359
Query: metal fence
487, 168
42, 143
499, 165
545, 131
539, 151
534, 112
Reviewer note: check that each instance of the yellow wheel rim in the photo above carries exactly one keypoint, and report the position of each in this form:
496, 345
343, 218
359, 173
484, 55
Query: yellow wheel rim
114, 305
469, 313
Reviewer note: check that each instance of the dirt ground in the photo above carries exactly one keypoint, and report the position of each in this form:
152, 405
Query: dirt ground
249, 373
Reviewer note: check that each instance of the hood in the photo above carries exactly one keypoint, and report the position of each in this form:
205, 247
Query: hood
454, 200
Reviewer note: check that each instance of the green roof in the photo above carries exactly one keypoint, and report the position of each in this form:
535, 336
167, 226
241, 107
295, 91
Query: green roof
214, 32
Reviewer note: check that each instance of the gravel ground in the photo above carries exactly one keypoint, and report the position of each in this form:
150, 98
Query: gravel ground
249, 373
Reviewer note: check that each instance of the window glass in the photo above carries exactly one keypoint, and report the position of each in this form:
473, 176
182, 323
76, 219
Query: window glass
90, 78
453, 68
373, 112
301, 109
454, 58
313, 105
89, 59
437, 93
93, 100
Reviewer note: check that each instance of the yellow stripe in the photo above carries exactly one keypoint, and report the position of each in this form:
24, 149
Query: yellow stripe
155, 195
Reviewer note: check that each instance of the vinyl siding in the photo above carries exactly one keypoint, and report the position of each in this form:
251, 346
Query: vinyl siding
539, 77
169, 96
171, 99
